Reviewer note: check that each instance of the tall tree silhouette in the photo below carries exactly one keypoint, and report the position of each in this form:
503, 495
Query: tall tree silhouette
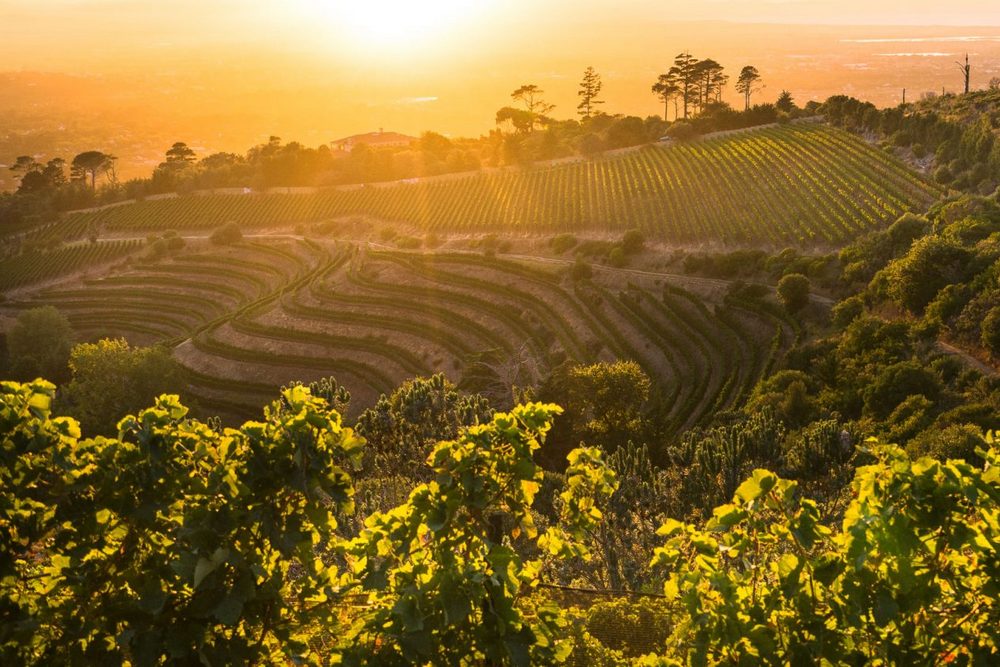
590, 88
531, 96
685, 72
667, 89
747, 83
90, 163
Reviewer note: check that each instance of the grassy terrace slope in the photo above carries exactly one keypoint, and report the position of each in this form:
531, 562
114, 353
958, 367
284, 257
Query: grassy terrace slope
247, 319
803, 184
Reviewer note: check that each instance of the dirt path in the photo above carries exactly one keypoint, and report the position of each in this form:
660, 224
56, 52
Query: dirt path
969, 359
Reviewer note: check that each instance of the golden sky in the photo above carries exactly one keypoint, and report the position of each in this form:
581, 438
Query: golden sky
227, 73
68, 32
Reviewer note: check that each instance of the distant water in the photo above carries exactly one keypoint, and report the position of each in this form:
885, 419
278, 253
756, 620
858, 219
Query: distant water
919, 40
911, 54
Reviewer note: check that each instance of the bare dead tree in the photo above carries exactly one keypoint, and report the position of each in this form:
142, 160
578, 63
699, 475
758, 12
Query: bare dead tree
966, 71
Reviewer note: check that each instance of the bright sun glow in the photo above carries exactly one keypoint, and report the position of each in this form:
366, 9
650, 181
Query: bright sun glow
393, 24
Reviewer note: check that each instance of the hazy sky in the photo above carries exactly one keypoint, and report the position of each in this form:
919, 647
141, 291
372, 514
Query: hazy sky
107, 25
228, 73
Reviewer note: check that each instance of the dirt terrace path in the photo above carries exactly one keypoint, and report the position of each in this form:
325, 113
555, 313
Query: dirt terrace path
969, 359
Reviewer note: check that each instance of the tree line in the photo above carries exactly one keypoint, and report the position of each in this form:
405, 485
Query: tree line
524, 132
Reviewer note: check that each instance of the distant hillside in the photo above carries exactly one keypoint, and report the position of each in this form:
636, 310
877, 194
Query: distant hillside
953, 137
965, 109
806, 184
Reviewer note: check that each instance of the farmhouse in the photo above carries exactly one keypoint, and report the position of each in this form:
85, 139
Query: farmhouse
380, 139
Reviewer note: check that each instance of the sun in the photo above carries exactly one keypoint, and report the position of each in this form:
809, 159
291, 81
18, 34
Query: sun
393, 24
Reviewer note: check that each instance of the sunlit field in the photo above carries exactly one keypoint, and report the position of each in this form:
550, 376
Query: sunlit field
449, 333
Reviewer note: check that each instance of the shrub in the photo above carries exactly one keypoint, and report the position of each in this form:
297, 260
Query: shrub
580, 270
931, 263
990, 331
174, 243
682, 131
631, 626
847, 311
897, 383
562, 242
633, 241
958, 441
616, 257
157, 249
943, 175
227, 234
408, 242
39, 344
793, 292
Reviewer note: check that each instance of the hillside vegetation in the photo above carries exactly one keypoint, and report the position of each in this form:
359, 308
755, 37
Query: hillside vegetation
237, 545
796, 184
249, 318
955, 137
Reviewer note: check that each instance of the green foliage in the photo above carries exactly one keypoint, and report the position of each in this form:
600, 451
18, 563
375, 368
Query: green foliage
990, 331
171, 542
111, 378
818, 450
38, 344
896, 384
717, 459
910, 578
444, 584
669, 192
402, 428
786, 395
847, 311
337, 397
630, 626
646, 495
932, 263
607, 403
793, 292
956, 441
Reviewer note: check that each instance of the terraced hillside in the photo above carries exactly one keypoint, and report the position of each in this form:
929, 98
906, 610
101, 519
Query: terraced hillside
805, 184
247, 319
35, 267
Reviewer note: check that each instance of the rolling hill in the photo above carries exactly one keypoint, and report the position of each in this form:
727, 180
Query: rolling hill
802, 184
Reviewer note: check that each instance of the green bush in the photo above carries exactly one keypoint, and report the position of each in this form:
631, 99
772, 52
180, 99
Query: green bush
957, 441
767, 581
897, 383
847, 311
39, 343
990, 331
931, 263
793, 292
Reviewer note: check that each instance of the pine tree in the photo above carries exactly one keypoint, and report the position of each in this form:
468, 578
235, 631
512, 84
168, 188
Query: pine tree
590, 88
